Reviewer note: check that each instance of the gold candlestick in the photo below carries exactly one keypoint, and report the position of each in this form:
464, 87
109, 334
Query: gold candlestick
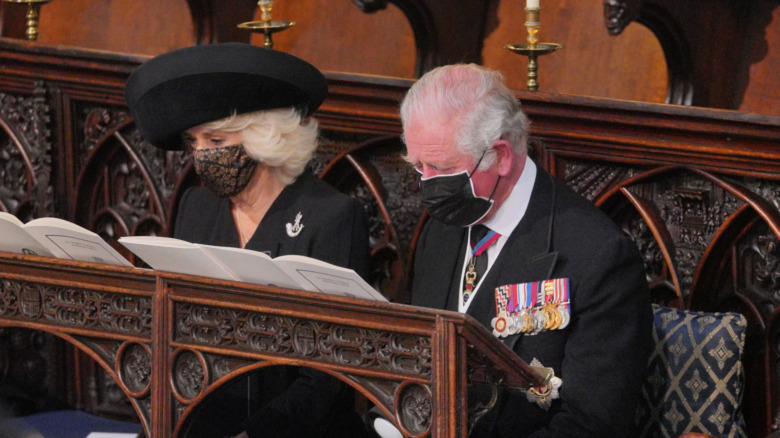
533, 48
266, 25
33, 10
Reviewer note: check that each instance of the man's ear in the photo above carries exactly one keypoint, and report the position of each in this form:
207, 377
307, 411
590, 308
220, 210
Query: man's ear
505, 157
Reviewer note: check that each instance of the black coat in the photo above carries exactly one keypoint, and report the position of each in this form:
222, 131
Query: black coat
602, 355
287, 401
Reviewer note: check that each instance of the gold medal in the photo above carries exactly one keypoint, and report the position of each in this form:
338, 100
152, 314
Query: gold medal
549, 318
556, 317
470, 277
528, 322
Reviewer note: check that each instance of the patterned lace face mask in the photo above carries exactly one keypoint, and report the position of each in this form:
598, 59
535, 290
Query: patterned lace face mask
225, 170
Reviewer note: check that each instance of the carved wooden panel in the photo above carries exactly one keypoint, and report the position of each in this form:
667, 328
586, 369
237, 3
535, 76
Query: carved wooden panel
76, 307
284, 336
123, 350
168, 341
709, 243
125, 186
25, 154
375, 173
197, 373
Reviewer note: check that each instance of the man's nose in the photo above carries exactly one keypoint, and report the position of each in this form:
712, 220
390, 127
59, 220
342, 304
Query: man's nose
427, 171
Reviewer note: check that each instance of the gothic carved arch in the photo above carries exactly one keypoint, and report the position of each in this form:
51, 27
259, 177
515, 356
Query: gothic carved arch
66, 311
127, 363
25, 155
124, 185
374, 173
197, 373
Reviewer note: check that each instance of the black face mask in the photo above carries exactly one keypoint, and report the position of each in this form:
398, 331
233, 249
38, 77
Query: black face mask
451, 198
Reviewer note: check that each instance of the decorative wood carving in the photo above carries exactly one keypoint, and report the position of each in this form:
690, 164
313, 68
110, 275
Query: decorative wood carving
74, 307
709, 244
206, 332
292, 337
74, 310
25, 154
698, 191
416, 408
620, 13
388, 187
25, 190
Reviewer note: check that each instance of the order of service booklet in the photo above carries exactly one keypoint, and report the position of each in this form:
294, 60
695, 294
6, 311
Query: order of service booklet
54, 237
288, 271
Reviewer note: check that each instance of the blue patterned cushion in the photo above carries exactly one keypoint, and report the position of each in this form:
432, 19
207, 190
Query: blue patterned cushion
696, 379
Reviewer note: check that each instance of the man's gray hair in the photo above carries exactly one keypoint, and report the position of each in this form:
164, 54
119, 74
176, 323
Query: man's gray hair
484, 108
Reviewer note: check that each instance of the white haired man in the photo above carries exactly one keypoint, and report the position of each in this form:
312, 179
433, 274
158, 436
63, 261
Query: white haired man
559, 283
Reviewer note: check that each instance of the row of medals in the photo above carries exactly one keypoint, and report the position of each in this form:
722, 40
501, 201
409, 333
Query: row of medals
532, 321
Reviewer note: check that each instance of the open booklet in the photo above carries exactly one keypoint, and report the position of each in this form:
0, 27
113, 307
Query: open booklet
288, 271
54, 237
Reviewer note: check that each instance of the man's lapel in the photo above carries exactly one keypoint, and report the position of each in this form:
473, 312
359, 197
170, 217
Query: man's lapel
439, 282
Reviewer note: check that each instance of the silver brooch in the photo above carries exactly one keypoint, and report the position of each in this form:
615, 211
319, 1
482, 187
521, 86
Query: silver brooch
295, 229
544, 395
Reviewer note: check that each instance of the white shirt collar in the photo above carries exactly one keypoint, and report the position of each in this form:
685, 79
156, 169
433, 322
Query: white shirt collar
513, 209
504, 222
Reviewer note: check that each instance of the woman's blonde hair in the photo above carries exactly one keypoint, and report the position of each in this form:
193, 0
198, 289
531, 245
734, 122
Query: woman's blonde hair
279, 138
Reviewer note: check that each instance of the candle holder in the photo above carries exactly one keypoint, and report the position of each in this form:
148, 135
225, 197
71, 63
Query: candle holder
33, 11
533, 48
266, 25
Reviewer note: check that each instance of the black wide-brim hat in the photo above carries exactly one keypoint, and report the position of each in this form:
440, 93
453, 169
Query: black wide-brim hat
178, 90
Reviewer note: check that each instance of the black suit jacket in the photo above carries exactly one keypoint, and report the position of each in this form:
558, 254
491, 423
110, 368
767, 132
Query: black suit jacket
602, 355
287, 402
334, 226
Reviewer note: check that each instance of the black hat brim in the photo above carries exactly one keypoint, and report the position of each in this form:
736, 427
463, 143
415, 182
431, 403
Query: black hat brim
188, 87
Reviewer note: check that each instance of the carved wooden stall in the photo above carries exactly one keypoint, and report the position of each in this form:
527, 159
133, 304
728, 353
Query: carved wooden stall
171, 340
697, 189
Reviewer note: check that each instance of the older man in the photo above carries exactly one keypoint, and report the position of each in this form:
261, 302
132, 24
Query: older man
554, 278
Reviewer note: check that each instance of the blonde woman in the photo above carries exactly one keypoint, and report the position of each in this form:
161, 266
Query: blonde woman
243, 112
